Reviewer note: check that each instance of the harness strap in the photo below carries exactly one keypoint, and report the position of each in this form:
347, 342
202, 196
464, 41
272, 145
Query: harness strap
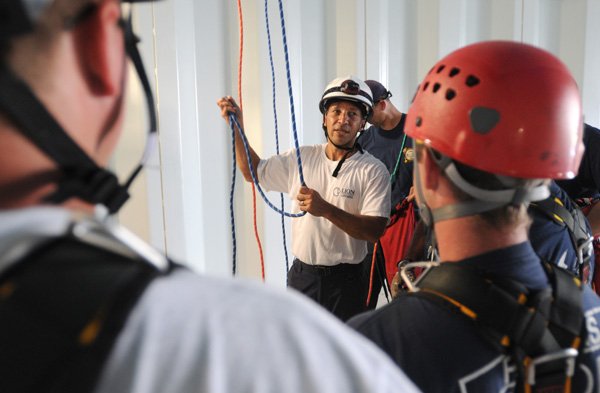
81, 176
574, 220
62, 308
539, 330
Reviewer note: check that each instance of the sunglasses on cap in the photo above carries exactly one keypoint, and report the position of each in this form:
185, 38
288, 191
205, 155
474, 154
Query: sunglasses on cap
384, 97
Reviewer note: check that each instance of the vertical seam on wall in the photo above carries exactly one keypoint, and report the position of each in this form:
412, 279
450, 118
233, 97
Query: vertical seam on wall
365, 10
522, 19
160, 160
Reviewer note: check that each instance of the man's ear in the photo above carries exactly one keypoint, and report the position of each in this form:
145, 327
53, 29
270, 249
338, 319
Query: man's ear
100, 44
431, 170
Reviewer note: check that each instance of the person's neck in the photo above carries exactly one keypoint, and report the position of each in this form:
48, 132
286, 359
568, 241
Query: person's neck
465, 237
335, 153
392, 119
27, 176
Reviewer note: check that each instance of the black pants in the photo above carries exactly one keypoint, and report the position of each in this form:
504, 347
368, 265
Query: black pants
337, 288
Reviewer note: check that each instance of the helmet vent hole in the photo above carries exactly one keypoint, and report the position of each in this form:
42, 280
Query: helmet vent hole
472, 81
436, 87
483, 120
454, 71
419, 121
440, 68
450, 94
425, 86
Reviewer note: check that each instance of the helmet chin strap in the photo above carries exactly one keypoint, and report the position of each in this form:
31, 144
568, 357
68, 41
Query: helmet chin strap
483, 200
81, 176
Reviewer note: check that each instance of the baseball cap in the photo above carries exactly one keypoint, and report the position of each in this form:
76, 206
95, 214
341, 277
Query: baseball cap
379, 91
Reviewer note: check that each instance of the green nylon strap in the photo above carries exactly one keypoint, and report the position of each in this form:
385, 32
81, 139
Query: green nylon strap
393, 175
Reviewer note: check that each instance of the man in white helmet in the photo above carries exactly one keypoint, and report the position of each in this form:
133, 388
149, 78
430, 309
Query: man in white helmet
84, 305
346, 196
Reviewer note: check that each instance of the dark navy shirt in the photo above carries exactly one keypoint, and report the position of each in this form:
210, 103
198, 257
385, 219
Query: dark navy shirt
587, 182
441, 349
551, 240
386, 145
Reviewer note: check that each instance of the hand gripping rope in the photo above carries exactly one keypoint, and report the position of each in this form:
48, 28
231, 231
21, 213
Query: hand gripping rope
235, 124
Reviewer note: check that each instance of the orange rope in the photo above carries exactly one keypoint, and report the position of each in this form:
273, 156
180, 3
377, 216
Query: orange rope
260, 250
371, 274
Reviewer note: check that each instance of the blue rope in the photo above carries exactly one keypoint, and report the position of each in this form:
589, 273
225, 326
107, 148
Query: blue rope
287, 262
233, 121
291, 96
231, 210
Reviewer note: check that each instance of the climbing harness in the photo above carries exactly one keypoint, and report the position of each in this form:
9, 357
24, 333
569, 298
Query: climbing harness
60, 342
574, 220
540, 331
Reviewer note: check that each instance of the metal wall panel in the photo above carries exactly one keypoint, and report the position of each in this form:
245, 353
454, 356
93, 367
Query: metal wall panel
194, 59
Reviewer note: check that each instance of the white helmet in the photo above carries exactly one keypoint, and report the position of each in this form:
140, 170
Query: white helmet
348, 88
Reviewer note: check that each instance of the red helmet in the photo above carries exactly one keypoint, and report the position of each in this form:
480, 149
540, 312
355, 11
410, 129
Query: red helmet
502, 107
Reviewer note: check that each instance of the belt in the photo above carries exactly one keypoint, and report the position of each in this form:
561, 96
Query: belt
323, 270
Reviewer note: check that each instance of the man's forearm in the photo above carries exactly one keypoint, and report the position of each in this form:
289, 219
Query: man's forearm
242, 161
360, 227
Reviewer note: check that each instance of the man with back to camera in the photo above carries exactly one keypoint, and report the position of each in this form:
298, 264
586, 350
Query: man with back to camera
85, 306
491, 316
346, 196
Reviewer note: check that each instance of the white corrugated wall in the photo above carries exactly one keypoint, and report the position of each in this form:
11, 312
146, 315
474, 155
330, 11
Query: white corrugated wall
190, 47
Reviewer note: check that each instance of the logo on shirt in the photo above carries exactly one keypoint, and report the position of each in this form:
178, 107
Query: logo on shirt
343, 192
409, 155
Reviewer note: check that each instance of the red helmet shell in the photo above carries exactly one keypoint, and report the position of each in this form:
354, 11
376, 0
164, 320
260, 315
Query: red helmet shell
502, 107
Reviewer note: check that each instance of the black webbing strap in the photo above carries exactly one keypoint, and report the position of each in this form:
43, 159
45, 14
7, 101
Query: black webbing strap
61, 310
574, 220
81, 176
516, 322
356, 146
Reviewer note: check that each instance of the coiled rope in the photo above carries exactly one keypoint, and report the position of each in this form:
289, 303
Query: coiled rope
235, 124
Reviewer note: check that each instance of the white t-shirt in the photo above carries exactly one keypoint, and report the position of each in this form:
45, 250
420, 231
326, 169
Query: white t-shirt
194, 334
361, 187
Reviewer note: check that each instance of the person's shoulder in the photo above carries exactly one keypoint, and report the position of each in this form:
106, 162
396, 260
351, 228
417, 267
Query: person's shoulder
591, 131
366, 137
242, 332
373, 162
309, 150
393, 314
